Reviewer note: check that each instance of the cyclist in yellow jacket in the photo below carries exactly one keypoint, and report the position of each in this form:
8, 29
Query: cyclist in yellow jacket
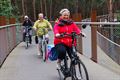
40, 25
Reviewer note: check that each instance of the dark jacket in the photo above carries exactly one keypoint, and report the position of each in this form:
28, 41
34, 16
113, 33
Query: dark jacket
27, 23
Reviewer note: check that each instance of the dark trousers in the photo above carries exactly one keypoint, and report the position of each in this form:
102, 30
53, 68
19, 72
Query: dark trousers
37, 40
62, 50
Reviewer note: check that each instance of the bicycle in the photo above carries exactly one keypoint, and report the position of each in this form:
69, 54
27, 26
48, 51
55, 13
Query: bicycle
43, 47
77, 69
27, 36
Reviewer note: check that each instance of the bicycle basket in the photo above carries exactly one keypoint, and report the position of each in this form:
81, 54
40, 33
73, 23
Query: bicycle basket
53, 55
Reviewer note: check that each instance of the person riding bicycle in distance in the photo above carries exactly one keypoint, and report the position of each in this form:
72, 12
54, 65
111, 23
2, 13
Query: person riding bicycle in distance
63, 44
27, 23
39, 25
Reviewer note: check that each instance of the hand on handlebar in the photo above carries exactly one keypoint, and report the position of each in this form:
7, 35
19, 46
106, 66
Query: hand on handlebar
73, 34
83, 34
57, 35
60, 35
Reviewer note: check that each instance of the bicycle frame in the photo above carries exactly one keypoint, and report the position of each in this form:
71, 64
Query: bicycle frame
64, 68
44, 47
27, 36
67, 71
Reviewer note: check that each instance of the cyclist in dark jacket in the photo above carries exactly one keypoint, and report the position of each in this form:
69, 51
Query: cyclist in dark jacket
27, 23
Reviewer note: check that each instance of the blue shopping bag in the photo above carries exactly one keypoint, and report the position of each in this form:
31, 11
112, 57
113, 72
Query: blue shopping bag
49, 47
53, 55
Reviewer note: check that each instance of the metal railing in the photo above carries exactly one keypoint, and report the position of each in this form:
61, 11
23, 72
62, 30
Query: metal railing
10, 36
110, 47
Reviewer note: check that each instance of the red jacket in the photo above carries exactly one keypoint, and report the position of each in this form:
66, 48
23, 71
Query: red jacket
68, 28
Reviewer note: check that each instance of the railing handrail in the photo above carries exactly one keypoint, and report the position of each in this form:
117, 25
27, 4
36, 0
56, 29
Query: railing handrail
5, 26
99, 23
11, 36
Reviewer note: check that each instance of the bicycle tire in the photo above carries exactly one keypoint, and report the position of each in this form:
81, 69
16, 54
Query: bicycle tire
60, 75
73, 72
82, 73
40, 48
27, 42
44, 51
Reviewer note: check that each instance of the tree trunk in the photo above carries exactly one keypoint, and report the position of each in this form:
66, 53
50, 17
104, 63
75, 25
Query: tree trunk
41, 6
45, 8
23, 7
111, 18
26, 7
76, 7
50, 10
110, 10
34, 11
66, 3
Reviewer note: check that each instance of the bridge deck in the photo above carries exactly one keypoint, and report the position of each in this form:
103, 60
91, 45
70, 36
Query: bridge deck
24, 64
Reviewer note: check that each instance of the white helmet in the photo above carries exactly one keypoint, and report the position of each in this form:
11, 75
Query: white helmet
26, 17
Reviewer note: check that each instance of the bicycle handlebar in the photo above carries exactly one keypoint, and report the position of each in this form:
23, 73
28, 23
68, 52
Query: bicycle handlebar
73, 35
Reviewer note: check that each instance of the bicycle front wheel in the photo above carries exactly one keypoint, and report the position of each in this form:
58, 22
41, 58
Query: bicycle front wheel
27, 41
44, 51
79, 71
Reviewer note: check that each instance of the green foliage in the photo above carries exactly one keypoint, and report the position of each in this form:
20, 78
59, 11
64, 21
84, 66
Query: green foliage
6, 8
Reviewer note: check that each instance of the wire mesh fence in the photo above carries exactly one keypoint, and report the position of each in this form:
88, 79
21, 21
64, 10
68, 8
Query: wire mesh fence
111, 31
111, 48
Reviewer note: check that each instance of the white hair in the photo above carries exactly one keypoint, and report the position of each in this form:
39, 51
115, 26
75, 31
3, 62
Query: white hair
64, 11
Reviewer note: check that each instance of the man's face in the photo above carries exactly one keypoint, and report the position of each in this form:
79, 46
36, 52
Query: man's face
40, 16
26, 18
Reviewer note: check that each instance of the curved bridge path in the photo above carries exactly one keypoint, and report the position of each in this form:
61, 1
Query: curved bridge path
24, 64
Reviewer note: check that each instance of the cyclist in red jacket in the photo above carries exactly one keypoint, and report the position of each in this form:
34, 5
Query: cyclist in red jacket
64, 25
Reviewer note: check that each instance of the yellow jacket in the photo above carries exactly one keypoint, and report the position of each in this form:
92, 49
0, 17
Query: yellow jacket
40, 26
